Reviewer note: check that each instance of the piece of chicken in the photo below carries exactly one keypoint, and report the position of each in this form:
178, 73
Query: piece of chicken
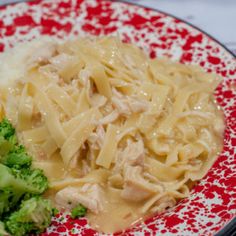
121, 106
96, 139
128, 105
132, 154
90, 195
136, 105
109, 118
136, 188
163, 203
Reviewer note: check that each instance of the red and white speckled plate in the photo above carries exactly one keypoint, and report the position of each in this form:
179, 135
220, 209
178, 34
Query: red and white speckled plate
212, 203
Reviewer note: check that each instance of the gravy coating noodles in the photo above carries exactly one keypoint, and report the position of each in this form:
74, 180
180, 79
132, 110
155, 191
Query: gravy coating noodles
124, 135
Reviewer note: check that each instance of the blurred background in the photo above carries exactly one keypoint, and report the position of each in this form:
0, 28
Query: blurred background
216, 17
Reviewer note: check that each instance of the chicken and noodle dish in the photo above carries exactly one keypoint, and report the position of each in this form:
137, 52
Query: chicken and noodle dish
124, 135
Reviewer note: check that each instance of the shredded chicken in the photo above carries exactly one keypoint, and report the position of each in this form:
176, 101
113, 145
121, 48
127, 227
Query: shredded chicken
163, 203
74, 161
121, 106
84, 75
85, 167
96, 139
90, 195
133, 154
136, 188
109, 118
127, 105
136, 105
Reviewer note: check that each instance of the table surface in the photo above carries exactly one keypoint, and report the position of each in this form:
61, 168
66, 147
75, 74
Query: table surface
216, 17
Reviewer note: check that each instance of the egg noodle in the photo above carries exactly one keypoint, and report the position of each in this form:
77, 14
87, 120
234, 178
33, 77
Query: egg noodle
120, 133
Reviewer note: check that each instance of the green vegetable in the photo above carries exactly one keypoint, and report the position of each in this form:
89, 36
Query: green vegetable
35, 180
8, 199
26, 180
7, 131
15, 183
12, 154
78, 211
55, 211
17, 157
5, 146
7, 137
22, 210
34, 216
2, 229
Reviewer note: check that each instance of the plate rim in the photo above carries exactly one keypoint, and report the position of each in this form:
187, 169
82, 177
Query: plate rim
230, 227
153, 9
175, 17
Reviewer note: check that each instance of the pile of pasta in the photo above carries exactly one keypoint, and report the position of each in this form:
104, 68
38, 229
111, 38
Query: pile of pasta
101, 111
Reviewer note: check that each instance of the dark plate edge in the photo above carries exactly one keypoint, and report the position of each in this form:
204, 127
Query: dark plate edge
230, 228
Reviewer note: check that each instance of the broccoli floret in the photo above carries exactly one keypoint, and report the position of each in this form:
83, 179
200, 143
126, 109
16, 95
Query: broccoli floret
14, 184
17, 157
27, 180
12, 155
9, 197
7, 136
34, 216
20, 186
5, 146
7, 131
78, 211
55, 211
35, 179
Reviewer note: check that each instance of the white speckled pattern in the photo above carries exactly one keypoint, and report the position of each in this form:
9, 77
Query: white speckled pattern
212, 202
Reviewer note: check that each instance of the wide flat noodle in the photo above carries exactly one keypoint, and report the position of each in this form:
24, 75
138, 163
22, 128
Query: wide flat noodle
101, 80
25, 110
62, 99
36, 135
95, 176
49, 146
108, 150
78, 136
161, 171
51, 118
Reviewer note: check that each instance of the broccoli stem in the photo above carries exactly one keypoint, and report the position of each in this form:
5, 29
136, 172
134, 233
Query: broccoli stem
3, 232
34, 216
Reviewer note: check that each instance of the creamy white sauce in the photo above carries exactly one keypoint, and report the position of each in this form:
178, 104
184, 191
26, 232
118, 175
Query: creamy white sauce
13, 62
118, 214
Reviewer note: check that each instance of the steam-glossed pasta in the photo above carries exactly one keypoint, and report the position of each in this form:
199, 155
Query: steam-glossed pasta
114, 130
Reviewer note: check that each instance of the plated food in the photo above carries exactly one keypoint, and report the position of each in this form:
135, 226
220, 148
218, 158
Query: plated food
110, 126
